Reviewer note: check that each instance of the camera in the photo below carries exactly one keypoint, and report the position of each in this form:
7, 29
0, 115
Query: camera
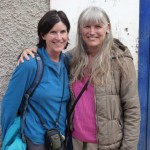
53, 139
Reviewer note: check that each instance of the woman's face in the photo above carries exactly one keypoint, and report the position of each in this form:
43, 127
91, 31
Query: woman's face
57, 38
93, 35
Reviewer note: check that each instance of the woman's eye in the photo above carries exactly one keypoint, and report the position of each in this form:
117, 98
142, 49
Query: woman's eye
52, 32
98, 26
87, 26
63, 31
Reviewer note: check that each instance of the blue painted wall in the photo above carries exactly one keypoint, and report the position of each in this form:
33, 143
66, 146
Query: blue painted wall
144, 74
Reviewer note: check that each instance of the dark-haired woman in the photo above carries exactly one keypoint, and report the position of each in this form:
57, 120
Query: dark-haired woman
52, 94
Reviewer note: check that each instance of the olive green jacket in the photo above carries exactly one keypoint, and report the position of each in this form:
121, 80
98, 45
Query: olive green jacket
117, 105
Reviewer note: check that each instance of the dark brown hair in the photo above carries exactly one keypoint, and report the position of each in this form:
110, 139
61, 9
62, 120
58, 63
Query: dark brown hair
47, 22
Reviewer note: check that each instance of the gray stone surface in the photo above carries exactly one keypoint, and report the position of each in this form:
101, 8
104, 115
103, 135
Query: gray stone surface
18, 31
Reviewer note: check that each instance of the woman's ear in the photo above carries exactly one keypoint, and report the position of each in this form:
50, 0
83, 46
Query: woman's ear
42, 36
108, 28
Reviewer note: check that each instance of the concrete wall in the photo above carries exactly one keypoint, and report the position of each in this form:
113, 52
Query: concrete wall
18, 24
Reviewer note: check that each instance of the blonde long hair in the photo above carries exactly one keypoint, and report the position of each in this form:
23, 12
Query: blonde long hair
102, 62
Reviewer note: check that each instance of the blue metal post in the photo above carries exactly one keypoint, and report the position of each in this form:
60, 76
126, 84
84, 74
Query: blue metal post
148, 120
144, 74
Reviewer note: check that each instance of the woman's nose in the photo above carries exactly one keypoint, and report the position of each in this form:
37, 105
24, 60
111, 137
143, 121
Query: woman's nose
58, 35
92, 30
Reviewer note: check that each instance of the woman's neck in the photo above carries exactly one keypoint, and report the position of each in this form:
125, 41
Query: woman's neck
54, 56
88, 68
92, 51
91, 58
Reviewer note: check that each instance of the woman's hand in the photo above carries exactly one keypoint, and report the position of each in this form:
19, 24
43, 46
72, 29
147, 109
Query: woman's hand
25, 53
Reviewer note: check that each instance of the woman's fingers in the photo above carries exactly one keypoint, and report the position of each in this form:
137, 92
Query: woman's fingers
25, 55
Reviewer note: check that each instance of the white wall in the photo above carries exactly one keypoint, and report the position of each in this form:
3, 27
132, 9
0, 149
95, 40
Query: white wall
124, 16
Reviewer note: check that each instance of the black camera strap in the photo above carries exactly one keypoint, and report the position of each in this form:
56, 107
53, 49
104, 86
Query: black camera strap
57, 120
68, 138
78, 97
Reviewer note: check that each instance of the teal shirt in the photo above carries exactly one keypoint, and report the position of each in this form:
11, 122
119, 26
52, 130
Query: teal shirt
46, 98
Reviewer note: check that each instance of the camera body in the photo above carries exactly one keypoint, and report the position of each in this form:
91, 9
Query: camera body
53, 139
